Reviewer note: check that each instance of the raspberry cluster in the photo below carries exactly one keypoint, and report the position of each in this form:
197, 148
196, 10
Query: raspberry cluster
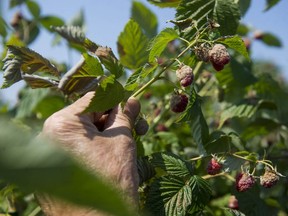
244, 181
219, 56
214, 167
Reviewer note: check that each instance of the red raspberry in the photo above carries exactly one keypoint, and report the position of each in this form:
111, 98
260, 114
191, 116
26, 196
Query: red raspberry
185, 75
141, 127
244, 181
258, 35
233, 203
161, 127
219, 56
178, 102
269, 178
214, 167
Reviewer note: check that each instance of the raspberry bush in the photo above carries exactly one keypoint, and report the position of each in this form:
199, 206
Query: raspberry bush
217, 120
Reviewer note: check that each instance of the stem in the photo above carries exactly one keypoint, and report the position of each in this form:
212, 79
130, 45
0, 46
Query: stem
154, 79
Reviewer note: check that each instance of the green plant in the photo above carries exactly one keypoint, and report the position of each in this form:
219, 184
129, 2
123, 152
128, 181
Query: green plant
234, 111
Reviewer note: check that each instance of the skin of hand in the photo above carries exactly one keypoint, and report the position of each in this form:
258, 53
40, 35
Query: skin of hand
103, 143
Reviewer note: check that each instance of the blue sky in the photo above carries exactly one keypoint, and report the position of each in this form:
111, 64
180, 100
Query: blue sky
106, 19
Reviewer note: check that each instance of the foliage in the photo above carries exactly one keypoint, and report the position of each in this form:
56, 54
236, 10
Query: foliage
236, 115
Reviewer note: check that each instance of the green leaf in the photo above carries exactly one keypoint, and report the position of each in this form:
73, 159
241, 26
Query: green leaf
75, 35
196, 13
43, 167
232, 163
244, 110
244, 5
20, 60
132, 82
271, 40
218, 142
132, 46
83, 77
48, 21
109, 60
34, 8
3, 27
232, 212
195, 118
201, 192
31, 98
270, 4
259, 127
145, 18
172, 164
227, 14
14, 3
105, 99
235, 42
165, 3
145, 170
169, 195
160, 42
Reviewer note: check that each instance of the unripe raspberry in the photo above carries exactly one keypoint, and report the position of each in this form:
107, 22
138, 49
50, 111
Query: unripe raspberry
244, 181
219, 56
269, 178
141, 127
185, 75
178, 102
214, 167
233, 203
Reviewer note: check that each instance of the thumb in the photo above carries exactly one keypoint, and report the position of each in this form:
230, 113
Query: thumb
124, 117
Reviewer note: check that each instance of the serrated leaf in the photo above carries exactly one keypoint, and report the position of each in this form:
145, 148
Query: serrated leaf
232, 212
160, 42
145, 170
132, 81
35, 81
169, 195
172, 164
145, 18
196, 12
218, 142
109, 60
195, 118
232, 163
31, 98
104, 100
271, 40
20, 60
132, 46
270, 4
34, 8
75, 35
227, 14
43, 167
165, 3
201, 192
235, 42
83, 77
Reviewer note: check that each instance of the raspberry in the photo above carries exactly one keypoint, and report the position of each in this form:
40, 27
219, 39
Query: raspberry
178, 102
233, 203
244, 181
141, 127
161, 127
214, 167
258, 35
185, 75
269, 178
219, 56
202, 53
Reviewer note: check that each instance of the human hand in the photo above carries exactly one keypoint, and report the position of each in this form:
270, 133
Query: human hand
103, 143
